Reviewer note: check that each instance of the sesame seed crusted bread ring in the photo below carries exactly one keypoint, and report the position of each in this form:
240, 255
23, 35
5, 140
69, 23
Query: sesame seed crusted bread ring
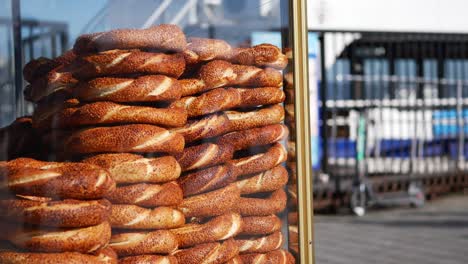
39, 67
132, 168
204, 49
274, 156
147, 88
204, 155
220, 73
209, 102
149, 259
227, 98
260, 244
280, 256
235, 260
140, 243
266, 181
212, 203
125, 138
260, 225
74, 114
166, 37
83, 240
219, 228
65, 213
263, 55
57, 80
120, 62
207, 179
264, 116
71, 180
135, 217
207, 127
260, 96
103, 256
273, 204
191, 86
255, 136
147, 195
213, 253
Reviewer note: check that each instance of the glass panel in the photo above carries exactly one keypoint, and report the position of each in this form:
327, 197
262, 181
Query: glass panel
156, 130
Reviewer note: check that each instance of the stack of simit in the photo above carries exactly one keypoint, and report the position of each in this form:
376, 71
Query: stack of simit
54, 212
232, 178
109, 108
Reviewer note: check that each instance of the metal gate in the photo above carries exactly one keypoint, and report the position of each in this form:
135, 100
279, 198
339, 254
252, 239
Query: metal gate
413, 90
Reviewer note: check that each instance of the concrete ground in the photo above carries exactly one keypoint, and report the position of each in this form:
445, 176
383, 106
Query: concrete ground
434, 234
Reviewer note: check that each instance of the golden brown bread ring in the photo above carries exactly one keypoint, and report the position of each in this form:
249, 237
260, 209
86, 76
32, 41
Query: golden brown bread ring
83, 240
132, 168
260, 244
212, 203
210, 102
135, 217
149, 259
263, 55
166, 37
234, 260
255, 136
207, 179
147, 195
213, 253
74, 114
280, 256
205, 49
103, 256
266, 181
148, 88
36, 68
125, 138
219, 228
260, 225
191, 86
227, 98
207, 127
260, 96
273, 204
220, 73
204, 155
274, 156
265, 116
217, 74
66, 213
140, 243
71, 180
59, 79
117, 62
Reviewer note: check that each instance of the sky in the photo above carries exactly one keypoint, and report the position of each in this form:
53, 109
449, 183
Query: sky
75, 13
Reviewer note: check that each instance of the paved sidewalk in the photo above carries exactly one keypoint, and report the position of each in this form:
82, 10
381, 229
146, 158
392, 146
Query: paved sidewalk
435, 234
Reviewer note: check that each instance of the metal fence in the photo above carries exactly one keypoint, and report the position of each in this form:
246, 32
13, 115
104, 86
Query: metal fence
38, 38
412, 89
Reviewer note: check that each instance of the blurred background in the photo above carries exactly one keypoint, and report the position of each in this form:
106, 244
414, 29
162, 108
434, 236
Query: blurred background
388, 85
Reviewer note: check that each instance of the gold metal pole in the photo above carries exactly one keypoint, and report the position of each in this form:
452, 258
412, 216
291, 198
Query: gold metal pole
303, 146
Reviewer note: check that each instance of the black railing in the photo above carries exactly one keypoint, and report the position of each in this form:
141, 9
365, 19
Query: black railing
38, 38
412, 89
